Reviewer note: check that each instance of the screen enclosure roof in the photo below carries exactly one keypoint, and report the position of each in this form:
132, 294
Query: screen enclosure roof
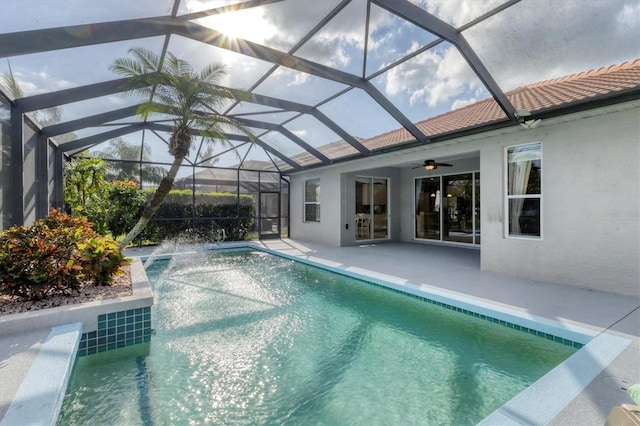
327, 79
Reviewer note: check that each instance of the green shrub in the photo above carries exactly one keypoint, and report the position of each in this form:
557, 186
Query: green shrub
86, 191
125, 201
55, 256
215, 213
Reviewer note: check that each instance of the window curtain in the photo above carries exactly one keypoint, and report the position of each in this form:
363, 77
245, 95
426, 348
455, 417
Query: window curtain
519, 171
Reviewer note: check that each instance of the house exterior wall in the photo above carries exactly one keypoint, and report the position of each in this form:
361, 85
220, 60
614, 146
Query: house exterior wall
590, 200
336, 204
591, 187
327, 231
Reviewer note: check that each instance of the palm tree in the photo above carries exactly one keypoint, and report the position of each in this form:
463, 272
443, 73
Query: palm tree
191, 98
124, 167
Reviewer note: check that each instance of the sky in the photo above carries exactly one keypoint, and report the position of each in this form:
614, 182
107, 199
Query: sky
531, 41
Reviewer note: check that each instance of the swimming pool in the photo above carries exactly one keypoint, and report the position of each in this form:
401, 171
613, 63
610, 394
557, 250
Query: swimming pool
250, 338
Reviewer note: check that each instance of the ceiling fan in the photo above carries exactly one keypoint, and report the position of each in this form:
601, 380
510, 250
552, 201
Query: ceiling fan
432, 165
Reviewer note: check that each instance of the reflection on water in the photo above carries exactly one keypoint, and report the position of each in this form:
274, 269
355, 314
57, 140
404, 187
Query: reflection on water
249, 338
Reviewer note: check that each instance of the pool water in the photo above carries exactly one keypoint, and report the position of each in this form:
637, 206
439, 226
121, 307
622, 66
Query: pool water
252, 338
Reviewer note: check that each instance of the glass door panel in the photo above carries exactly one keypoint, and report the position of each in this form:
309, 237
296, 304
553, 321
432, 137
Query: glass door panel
477, 210
428, 202
458, 205
380, 217
363, 208
269, 215
371, 221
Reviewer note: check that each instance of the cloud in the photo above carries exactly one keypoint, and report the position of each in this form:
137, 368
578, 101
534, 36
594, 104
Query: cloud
538, 40
63, 84
300, 133
116, 100
339, 44
628, 15
28, 87
461, 103
457, 13
37, 82
432, 78
289, 78
526, 43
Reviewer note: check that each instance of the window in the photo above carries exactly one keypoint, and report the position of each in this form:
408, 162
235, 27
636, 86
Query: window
524, 190
312, 200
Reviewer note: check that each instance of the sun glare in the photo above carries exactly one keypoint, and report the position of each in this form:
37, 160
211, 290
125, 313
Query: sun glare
250, 24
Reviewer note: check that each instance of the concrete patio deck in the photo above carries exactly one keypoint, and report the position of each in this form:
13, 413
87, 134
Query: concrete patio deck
455, 270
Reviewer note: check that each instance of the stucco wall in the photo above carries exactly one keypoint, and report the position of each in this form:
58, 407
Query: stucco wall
337, 185
326, 231
591, 187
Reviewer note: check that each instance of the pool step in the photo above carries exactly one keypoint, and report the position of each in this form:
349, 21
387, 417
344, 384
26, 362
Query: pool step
39, 398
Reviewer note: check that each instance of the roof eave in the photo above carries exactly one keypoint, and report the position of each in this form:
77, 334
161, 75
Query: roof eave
580, 105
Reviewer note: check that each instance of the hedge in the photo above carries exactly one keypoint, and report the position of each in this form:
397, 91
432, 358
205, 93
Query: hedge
213, 212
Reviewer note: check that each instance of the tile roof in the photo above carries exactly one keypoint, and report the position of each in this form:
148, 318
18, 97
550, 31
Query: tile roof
534, 97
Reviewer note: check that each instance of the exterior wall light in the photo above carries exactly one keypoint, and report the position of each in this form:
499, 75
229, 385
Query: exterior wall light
523, 116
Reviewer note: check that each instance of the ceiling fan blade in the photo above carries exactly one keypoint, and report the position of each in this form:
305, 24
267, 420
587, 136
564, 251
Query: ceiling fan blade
431, 165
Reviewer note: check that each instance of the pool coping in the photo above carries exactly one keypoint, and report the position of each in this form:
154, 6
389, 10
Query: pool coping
43, 387
39, 399
540, 402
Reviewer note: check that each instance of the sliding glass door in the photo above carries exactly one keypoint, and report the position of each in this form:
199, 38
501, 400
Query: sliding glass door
428, 204
447, 208
371, 221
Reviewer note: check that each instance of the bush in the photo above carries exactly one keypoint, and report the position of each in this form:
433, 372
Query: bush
85, 190
125, 201
215, 214
55, 256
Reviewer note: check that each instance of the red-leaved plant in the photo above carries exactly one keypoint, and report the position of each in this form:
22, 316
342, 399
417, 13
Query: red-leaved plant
55, 256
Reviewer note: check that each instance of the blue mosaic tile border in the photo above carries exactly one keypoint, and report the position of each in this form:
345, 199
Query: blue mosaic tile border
503, 323
507, 324
117, 330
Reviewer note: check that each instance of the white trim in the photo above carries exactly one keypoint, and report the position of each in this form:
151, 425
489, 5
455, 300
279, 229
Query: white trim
305, 202
506, 197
